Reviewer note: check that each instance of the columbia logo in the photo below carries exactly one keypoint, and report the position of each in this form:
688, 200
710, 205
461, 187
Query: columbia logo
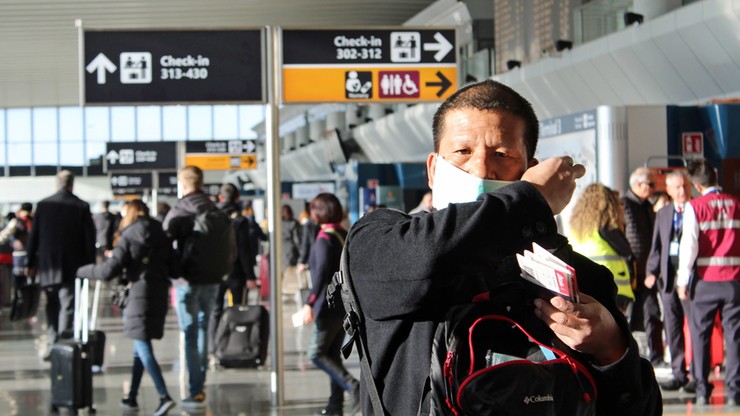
538, 399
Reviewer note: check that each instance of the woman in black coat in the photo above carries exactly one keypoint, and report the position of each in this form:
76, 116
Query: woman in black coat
145, 257
325, 348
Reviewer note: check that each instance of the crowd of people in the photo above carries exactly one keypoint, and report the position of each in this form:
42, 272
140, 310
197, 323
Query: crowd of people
639, 267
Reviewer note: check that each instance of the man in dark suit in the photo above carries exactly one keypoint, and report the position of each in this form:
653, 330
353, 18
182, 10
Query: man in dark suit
639, 218
62, 239
105, 228
661, 269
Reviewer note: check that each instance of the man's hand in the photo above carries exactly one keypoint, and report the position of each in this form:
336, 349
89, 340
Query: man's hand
555, 178
251, 284
683, 294
302, 267
587, 327
650, 281
30, 272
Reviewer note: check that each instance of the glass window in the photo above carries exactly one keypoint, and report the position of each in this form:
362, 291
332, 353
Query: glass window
21, 154
72, 154
199, 122
2, 156
123, 124
45, 153
2, 126
148, 123
70, 124
174, 119
45, 128
225, 122
250, 116
19, 125
95, 150
97, 124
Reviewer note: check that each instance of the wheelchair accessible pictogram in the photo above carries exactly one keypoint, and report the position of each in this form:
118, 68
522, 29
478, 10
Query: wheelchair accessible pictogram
399, 84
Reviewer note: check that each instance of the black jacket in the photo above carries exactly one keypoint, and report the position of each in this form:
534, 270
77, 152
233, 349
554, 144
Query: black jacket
308, 235
105, 227
638, 218
145, 257
62, 238
245, 255
323, 262
409, 270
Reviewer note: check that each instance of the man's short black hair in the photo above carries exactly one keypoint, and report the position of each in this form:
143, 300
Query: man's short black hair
489, 95
229, 192
27, 206
701, 172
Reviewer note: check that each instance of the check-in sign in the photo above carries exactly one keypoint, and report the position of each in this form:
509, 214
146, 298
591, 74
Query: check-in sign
221, 154
368, 65
130, 183
140, 156
173, 66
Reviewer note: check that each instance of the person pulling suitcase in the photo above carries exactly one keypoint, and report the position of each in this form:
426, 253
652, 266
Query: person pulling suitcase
145, 254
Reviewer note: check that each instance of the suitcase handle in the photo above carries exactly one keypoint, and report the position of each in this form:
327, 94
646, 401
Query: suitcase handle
81, 319
95, 306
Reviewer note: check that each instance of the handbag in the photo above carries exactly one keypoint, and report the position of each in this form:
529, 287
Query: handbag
119, 297
25, 301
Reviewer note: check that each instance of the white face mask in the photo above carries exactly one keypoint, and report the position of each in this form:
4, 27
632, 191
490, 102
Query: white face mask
454, 185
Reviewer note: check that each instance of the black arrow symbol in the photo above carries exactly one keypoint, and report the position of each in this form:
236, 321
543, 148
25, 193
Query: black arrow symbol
443, 83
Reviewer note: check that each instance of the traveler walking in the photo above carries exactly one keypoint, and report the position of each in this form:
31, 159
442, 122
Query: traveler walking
204, 239
144, 255
62, 239
326, 344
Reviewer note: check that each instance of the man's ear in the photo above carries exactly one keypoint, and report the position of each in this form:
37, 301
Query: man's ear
532, 163
431, 168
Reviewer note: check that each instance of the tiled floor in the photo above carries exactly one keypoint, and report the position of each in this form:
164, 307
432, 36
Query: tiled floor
25, 385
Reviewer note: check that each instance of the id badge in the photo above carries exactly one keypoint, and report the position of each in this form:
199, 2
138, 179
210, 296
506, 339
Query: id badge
673, 248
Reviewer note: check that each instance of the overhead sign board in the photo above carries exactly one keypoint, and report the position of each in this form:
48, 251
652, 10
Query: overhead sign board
221, 154
167, 183
368, 65
130, 183
173, 66
144, 156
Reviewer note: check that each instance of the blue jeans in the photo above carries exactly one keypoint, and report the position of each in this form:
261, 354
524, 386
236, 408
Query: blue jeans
144, 359
325, 353
194, 306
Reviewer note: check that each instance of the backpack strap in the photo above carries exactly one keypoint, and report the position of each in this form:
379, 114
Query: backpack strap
354, 326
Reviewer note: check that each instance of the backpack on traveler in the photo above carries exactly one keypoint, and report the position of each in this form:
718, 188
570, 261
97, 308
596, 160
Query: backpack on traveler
492, 356
209, 252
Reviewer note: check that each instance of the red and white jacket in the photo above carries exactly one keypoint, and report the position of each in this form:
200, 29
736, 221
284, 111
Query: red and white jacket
718, 218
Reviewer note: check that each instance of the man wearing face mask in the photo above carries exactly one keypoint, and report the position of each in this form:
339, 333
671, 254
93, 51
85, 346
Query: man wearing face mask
492, 199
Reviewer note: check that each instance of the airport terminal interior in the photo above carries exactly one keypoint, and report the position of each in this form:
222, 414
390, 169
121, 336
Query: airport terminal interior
331, 96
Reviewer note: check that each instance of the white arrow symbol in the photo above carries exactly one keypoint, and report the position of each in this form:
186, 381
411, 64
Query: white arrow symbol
112, 157
101, 63
443, 47
249, 147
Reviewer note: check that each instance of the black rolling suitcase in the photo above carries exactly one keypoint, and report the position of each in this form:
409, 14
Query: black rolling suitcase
242, 336
71, 366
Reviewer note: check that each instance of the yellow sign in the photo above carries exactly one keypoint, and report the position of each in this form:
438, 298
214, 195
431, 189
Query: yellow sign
401, 64
403, 84
221, 161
